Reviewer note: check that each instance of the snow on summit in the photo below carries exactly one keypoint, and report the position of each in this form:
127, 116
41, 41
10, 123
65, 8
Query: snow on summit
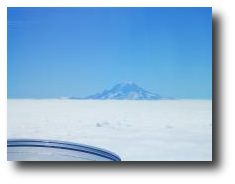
125, 91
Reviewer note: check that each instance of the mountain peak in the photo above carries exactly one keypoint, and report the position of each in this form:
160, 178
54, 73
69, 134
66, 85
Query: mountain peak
127, 83
125, 91
122, 84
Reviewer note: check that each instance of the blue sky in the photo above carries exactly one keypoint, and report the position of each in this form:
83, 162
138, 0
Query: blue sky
53, 52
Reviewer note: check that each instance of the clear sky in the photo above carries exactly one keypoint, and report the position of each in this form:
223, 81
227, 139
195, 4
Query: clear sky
54, 52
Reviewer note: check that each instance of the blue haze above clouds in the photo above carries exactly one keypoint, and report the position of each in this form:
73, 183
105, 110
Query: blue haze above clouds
55, 52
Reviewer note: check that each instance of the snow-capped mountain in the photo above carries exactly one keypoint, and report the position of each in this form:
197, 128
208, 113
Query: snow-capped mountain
125, 91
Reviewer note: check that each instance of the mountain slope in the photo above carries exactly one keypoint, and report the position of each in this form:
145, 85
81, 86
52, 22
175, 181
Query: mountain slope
125, 91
